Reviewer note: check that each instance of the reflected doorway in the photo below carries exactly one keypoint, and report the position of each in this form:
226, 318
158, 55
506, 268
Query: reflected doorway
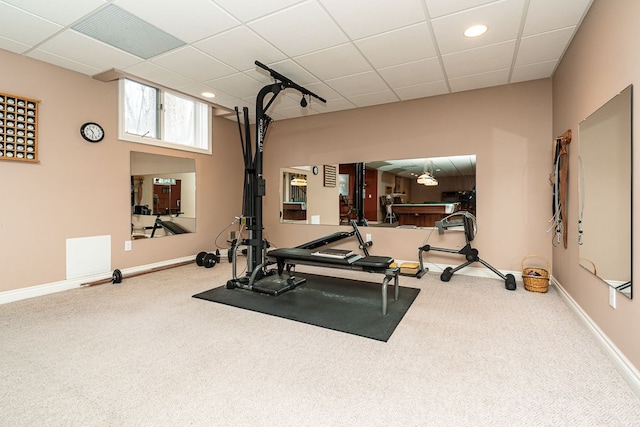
166, 198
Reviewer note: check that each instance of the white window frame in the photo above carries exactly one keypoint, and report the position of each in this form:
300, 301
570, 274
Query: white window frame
159, 141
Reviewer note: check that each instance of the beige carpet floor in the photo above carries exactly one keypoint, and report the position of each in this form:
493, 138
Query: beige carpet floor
145, 353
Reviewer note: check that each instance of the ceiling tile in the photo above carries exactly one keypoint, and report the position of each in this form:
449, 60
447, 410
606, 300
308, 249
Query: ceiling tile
155, 73
248, 10
396, 47
238, 85
498, 17
493, 78
300, 29
540, 70
413, 73
15, 22
13, 46
63, 62
322, 64
362, 18
194, 64
543, 47
445, 7
254, 48
52, 10
221, 97
422, 90
481, 60
358, 84
547, 15
375, 98
88, 51
291, 112
333, 105
221, 100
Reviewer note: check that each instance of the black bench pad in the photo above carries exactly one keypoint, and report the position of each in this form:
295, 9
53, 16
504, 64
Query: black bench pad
370, 264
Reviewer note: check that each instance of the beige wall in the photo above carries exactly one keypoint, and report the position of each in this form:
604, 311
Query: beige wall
601, 61
81, 190
507, 127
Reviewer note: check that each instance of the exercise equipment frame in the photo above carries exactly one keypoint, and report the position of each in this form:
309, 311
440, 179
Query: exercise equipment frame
254, 182
471, 254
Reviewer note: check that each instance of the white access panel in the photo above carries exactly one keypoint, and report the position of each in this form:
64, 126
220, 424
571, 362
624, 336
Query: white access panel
88, 255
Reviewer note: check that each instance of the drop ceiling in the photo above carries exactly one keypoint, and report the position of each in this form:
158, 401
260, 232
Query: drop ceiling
439, 167
353, 53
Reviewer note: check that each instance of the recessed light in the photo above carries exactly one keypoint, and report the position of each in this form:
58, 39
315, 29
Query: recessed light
475, 30
208, 94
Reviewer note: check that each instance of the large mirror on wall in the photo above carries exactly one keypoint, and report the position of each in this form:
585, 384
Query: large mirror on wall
405, 193
163, 195
605, 176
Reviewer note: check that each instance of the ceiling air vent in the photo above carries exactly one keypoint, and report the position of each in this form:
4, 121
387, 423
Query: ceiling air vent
118, 28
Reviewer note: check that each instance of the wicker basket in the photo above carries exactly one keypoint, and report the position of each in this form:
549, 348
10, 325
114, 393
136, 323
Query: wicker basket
535, 279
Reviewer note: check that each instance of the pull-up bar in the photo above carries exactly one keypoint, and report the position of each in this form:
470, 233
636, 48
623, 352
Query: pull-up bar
287, 82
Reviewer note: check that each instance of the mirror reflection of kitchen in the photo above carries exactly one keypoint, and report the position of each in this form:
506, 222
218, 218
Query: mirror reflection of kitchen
162, 195
294, 195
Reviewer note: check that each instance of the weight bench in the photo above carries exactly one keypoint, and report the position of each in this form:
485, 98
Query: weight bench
169, 226
289, 257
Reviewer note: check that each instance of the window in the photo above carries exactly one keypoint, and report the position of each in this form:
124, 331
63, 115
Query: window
150, 115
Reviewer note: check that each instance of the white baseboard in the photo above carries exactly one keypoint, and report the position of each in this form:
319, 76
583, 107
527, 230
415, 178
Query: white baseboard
65, 285
619, 360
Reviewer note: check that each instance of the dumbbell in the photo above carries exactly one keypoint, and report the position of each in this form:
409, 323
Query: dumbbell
208, 259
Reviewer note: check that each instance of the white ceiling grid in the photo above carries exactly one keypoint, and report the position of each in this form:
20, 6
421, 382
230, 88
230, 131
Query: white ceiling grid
354, 53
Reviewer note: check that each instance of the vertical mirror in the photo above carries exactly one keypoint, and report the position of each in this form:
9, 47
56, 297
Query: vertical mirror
163, 195
605, 192
294, 195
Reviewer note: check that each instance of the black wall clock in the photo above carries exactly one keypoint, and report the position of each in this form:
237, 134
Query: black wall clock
92, 132
315, 170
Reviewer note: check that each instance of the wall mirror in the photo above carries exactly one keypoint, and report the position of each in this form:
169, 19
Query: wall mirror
605, 178
163, 195
396, 193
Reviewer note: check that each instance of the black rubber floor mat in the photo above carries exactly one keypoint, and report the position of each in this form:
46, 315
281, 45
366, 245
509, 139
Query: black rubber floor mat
344, 305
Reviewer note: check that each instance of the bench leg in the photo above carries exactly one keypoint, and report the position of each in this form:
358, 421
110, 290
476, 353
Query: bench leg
396, 289
390, 274
385, 284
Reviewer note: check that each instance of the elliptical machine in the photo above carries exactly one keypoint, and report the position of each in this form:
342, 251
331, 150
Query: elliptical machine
468, 222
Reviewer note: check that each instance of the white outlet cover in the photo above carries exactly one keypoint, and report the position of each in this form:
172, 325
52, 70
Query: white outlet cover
612, 297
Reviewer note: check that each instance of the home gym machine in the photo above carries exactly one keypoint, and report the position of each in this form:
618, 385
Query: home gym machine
255, 188
468, 222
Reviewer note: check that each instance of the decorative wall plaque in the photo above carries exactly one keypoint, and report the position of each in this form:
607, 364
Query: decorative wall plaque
330, 176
